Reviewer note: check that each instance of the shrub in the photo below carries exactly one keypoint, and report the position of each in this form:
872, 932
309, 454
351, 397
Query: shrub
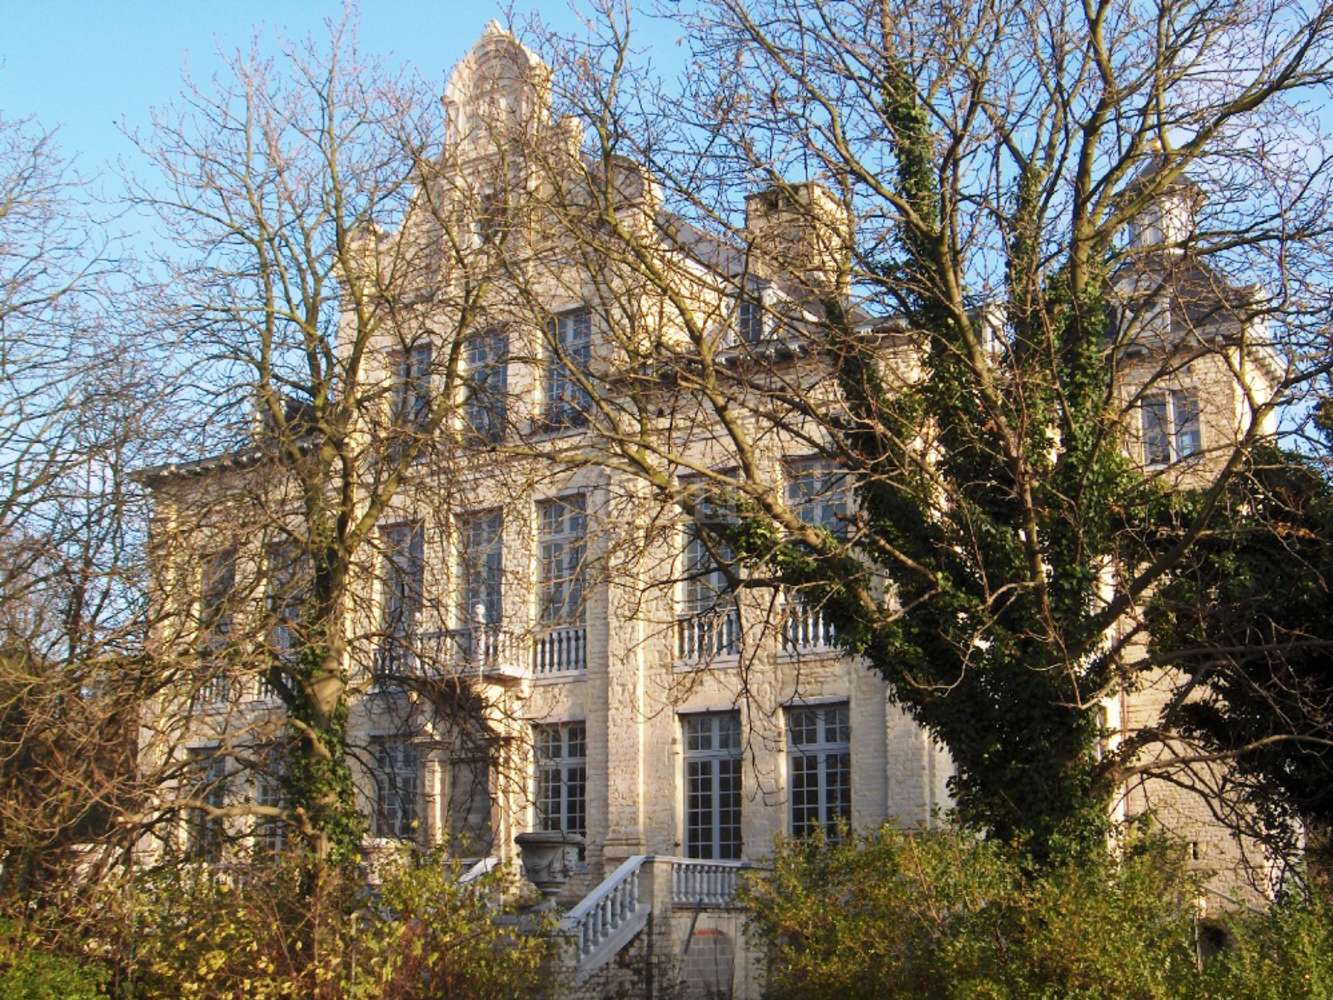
267, 933
28, 971
1284, 954
944, 915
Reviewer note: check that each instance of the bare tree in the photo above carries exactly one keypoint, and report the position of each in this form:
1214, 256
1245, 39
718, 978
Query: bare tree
331, 285
75, 409
1022, 272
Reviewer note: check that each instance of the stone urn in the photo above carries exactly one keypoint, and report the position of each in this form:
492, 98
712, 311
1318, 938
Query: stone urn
548, 858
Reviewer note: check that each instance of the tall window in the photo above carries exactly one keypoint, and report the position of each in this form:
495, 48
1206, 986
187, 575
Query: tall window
820, 763
750, 319
483, 569
411, 391
469, 816
208, 784
817, 494
570, 351
562, 777
492, 216
562, 524
709, 623
706, 585
402, 578
487, 358
713, 785
288, 586
1170, 424
215, 611
270, 831
215, 627
396, 770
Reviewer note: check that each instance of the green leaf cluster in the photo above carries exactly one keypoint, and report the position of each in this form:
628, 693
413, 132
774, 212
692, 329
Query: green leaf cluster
269, 933
29, 971
946, 915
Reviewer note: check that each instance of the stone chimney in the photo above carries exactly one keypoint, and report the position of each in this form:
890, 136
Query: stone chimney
800, 231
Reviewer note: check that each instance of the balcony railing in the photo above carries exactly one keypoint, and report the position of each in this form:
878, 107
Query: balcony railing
561, 650
264, 689
216, 692
708, 636
806, 629
478, 649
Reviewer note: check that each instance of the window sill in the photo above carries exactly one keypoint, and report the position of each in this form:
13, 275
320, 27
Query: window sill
811, 653
722, 660
544, 431
560, 677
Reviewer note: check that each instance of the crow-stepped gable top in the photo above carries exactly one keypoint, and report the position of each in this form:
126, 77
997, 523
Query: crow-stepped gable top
500, 90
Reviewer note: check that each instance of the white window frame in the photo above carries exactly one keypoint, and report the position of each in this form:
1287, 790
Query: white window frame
569, 348
396, 775
286, 590
818, 493
411, 396
1176, 432
270, 832
819, 768
562, 530
751, 318
485, 401
560, 796
705, 586
217, 586
712, 785
481, 568
402, 582
492, 220
208, 771
708, 620
217, 596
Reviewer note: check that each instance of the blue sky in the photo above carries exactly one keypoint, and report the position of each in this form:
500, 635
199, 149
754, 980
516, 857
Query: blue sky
84, 68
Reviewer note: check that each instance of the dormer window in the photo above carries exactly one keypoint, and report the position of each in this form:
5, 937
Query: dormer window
1170, 426
750, 319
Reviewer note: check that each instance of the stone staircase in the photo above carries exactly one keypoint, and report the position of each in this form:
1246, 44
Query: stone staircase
617, 910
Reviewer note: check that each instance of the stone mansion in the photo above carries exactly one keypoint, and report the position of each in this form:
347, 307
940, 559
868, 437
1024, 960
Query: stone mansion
538, 641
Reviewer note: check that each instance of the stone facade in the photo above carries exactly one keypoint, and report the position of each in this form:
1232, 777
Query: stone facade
622, 678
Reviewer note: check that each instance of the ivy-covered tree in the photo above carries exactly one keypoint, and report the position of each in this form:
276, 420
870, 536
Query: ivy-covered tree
965, 261
1248, 617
